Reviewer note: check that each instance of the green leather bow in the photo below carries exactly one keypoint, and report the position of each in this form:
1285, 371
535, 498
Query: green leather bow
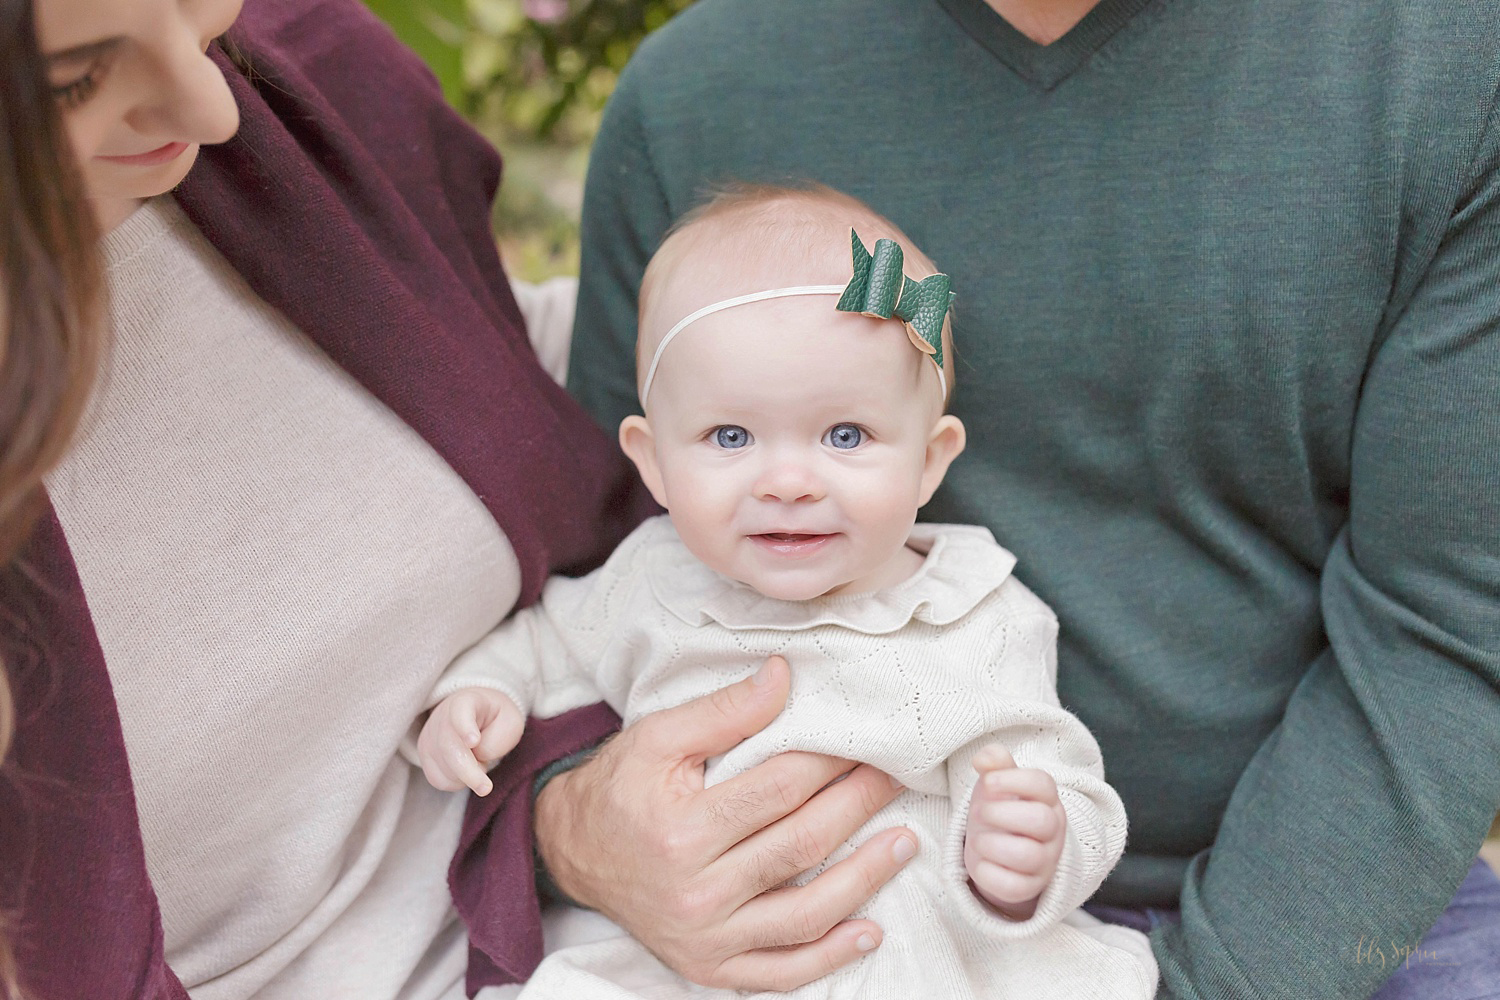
881, 289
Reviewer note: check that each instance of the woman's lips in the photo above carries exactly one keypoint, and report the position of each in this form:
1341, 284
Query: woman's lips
790, 543
155, 158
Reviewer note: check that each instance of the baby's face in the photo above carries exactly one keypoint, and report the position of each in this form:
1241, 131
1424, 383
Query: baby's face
792, 445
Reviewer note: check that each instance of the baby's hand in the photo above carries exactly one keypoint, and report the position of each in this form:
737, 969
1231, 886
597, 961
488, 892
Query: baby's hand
466, 732
1015, 833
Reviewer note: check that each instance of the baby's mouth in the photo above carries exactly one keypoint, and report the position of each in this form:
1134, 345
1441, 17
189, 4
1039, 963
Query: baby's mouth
790, 543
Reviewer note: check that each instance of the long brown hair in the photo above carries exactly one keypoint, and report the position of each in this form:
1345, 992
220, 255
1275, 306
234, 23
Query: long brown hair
51, 313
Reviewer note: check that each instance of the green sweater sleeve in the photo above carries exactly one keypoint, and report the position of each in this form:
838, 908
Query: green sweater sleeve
625, 213
1362, 811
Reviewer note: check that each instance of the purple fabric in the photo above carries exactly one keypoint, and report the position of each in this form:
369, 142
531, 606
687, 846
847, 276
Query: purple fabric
72, 869
1458, 959
358, 204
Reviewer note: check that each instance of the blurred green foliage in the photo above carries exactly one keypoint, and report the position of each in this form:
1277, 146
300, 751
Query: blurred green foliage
533, 76
434, 29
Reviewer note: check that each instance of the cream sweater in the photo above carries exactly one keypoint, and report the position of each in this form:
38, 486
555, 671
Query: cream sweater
278, 570
914, 680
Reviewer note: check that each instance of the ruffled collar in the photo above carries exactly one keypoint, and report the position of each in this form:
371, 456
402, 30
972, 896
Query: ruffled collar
963, 565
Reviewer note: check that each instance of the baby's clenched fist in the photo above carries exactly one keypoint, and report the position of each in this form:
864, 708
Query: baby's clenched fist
1015, 833
467, 732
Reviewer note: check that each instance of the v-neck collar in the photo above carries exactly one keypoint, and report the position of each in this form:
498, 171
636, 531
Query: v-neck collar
1044, 66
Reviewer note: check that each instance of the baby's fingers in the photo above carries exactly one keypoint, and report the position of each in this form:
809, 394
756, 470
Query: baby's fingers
465, 767
502, 733
994, 757
449, 763
463, 717
1035, 820
1005, 886
1021, 855
1017, 783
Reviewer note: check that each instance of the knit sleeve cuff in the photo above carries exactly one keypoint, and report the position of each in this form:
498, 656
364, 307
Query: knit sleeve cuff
1071, 884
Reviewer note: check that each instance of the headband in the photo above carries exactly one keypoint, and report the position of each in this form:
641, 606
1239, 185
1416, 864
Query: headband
879, 289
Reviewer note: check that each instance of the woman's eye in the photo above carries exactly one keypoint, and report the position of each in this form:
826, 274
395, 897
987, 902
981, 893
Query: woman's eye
731, 436
844, 436
71, 95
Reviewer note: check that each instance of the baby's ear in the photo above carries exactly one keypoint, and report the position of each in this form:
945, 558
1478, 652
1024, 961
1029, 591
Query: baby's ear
944, 445
639, 445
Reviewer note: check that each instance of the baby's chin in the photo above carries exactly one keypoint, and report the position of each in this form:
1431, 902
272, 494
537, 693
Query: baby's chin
786, 585
794, 589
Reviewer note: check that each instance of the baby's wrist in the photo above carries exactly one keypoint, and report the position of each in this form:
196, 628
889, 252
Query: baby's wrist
1018, 911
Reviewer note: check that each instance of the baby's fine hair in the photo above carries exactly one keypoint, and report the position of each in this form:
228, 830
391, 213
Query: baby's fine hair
739, 224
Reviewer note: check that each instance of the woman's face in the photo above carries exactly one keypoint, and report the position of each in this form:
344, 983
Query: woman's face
137, 92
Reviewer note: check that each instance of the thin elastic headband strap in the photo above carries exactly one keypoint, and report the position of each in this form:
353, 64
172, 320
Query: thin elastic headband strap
740, 300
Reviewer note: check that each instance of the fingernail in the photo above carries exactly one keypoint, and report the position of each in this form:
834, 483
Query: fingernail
762, 675
904, 849
865, 942
895, 782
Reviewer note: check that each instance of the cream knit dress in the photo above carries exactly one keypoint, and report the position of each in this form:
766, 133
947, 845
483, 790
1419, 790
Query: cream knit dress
913, 679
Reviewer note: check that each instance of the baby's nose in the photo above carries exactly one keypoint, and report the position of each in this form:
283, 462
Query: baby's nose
789, 482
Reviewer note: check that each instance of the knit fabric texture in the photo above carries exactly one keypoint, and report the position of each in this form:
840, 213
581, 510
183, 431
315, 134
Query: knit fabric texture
913, 679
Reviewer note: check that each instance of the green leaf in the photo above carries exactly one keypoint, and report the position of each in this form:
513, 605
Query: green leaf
435, 30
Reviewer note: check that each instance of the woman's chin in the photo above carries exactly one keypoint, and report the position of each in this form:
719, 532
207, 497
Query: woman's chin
131, 186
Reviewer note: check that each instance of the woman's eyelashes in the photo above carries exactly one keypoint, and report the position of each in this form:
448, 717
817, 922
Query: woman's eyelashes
76, 93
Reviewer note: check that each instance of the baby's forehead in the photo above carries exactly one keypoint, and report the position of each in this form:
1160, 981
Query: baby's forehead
720, 257
734, 255
743, 248
794, 354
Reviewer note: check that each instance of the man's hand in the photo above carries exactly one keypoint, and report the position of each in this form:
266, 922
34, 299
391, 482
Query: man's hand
465, 734
696, 874
1015, 833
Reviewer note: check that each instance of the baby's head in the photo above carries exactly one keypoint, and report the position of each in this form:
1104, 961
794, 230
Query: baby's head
791, 443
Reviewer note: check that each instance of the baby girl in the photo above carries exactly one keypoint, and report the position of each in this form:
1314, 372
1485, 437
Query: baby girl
794, 424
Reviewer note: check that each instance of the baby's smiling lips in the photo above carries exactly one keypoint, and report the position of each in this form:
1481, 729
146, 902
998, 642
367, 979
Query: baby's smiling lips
791, 543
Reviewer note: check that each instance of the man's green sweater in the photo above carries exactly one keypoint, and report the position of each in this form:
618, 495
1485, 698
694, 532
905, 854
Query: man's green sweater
1228, 340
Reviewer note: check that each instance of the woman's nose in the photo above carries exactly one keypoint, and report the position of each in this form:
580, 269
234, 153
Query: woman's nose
189, 100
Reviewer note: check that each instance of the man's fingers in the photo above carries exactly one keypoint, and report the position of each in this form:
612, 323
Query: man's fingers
764, 794
801, 840
718, 721
785, 969
805, 913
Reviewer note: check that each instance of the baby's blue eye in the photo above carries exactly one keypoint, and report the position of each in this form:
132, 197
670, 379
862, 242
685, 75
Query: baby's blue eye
731, 436
844, 436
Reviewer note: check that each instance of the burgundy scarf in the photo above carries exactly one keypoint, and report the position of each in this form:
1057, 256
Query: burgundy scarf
357, 203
